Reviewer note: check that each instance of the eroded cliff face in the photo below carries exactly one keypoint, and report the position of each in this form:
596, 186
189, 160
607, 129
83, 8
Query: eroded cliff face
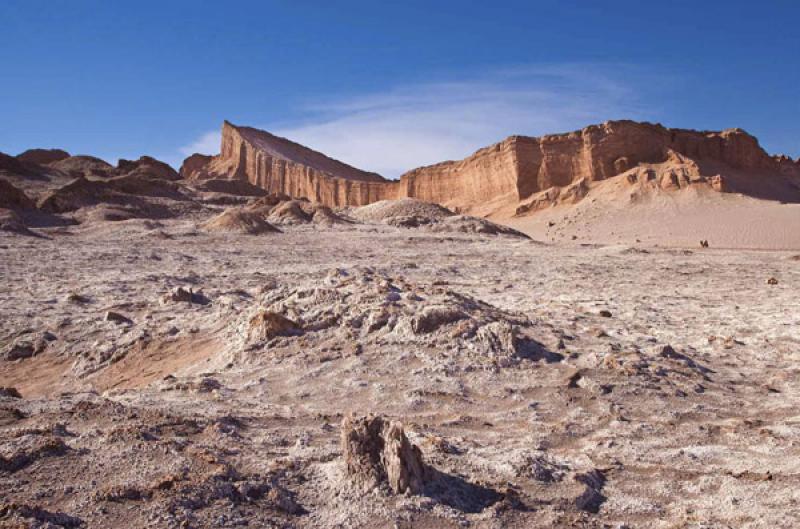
500, 176
281, 166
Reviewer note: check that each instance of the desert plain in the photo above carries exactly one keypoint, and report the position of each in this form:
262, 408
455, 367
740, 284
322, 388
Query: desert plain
198, 353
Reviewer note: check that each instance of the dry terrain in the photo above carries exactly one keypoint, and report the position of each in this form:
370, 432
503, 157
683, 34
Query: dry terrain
190, 371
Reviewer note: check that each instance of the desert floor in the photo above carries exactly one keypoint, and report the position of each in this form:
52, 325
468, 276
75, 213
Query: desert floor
678, 407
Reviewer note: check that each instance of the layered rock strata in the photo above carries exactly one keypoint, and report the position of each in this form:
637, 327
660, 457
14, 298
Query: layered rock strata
509, 172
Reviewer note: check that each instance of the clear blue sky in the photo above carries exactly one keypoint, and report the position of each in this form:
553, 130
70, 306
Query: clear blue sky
388, 85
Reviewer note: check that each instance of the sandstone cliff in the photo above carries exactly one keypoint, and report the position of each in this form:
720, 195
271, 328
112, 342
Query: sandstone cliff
516, 175
282, 166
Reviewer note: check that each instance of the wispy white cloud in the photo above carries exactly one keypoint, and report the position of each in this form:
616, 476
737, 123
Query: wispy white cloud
426, 123
208, 143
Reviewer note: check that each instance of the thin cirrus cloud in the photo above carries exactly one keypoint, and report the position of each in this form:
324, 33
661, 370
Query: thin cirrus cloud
410, 126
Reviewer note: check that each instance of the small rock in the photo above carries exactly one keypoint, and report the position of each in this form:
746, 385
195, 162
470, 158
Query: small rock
181, 295
25, 349
267, 324
8, 391
605, 313
772, 281
376, 450
116, 317
283, 500
74, 297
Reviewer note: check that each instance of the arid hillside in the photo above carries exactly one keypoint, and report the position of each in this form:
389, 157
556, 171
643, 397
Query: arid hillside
519, 175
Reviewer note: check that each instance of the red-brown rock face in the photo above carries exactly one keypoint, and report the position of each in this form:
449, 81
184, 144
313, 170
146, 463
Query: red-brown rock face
281, 166
503, 174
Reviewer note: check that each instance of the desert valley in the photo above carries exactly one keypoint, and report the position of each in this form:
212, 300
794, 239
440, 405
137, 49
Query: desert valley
594, 329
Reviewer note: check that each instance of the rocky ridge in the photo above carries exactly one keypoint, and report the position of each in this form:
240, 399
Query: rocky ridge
518, 174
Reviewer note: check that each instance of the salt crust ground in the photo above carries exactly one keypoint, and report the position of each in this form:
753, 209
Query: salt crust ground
535, 408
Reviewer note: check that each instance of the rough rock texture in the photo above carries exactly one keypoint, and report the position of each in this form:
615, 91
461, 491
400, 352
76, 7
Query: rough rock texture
498, 176
266, 325
84, 166
149, 166
135, 192
536, 410
13, 198
9, 165
239, 220
282, 166
376, 451
42, 156
194, 166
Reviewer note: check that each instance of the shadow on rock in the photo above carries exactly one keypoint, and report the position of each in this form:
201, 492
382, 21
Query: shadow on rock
458, 493
530, 349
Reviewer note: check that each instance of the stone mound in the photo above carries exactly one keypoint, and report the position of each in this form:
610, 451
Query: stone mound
266, 325
467, 224
387, 210
281, 209
13, 198
365, 308
84, 166
78, 194
239, 220
289, 213
144, 184
43, 156
377, 451
412, 213
106, 213
267, 202
147, 166
325, 216
140, 196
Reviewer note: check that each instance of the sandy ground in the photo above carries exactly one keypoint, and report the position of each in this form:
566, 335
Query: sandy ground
532, 407
610, 215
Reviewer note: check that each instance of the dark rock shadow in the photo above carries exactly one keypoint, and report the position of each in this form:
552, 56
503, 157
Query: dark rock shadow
458, 493
38, 516
592, 497
42, 219
531, 349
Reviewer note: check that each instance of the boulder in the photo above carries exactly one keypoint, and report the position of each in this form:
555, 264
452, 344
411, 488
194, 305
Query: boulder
266, 324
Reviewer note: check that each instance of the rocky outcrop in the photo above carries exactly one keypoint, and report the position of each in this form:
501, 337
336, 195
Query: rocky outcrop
376, 451
12, 166
147, 166
82, 165
508, 173
42, 156
282, 166
195, 166
13, 198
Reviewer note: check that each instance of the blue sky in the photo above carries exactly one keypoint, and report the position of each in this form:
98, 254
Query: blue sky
388, 86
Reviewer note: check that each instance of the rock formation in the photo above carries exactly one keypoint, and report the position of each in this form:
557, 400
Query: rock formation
83, 166
148, 166
517, 171
43, 156
376, 451
239, 220
282, 166
13, 198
